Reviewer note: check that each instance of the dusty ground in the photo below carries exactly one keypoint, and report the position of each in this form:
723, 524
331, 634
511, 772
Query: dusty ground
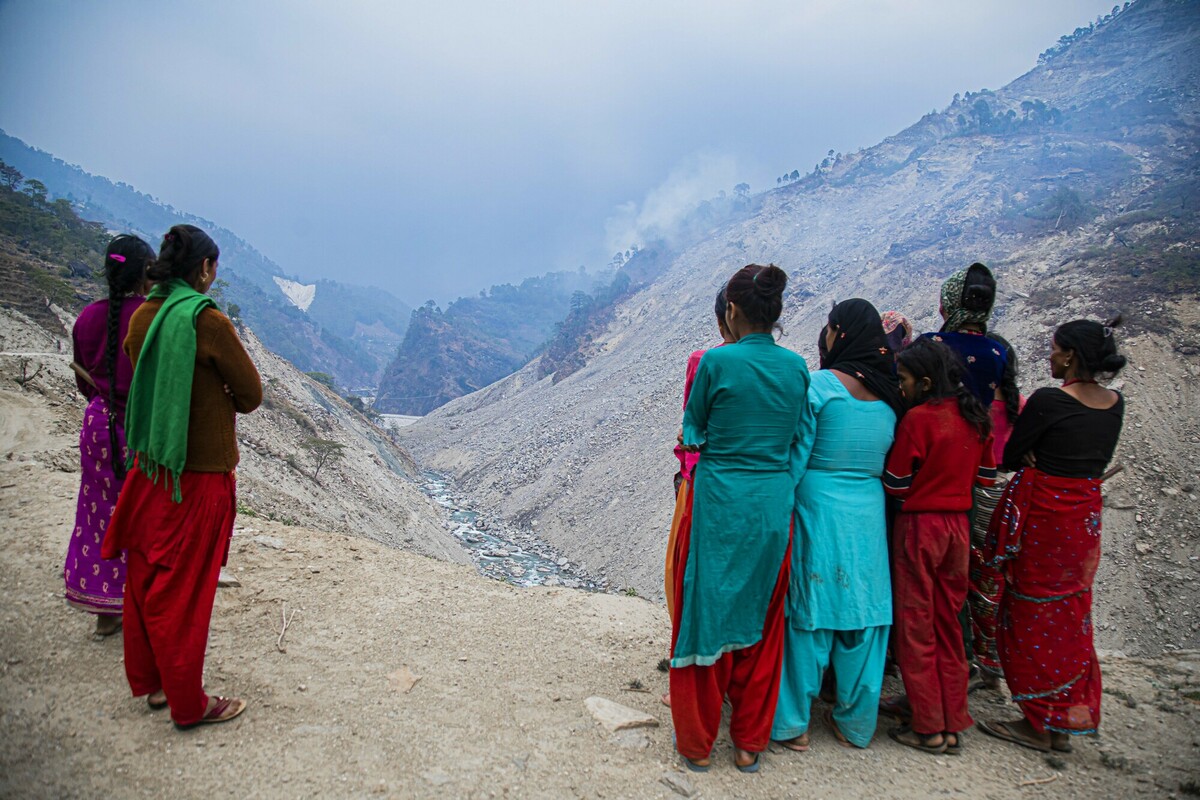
498, 709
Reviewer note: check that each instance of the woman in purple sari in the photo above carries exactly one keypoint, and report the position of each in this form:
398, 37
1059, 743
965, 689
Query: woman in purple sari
103, 373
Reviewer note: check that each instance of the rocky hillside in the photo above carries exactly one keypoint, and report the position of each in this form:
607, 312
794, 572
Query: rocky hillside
476, 341
1077, 183
367, 486
349, 332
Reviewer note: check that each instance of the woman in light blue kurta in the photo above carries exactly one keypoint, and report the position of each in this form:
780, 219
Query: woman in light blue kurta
745, 414
839, 599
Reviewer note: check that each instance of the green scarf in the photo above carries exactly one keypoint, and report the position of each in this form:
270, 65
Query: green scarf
160, 396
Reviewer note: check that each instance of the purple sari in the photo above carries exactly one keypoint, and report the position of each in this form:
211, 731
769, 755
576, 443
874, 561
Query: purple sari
93, 583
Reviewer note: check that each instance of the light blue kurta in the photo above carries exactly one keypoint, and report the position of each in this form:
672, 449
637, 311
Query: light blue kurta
747, 411
839, 598
840, 576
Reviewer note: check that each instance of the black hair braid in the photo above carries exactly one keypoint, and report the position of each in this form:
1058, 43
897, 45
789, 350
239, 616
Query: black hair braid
1008, 382
125, 263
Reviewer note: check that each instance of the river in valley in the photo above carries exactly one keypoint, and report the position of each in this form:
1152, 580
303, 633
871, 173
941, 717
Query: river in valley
518, 557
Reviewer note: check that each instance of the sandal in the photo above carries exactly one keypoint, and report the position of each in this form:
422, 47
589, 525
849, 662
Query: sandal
156, 705
1001, 730
223, 710
751, 767
687, 762
906, 736
954, 748
837, 733
797, 744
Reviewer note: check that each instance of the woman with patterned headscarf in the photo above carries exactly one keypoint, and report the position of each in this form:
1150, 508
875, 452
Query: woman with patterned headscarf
990, 370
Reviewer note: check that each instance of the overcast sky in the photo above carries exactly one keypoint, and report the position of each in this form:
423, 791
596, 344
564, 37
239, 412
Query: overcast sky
437, 148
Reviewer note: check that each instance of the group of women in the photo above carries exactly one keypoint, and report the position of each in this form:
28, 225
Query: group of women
165, 374
824, 521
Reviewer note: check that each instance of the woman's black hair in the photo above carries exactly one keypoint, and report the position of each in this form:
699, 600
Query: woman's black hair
720, 305
979, 289
925, 358
758, 292
183, 251
126, 260
1093, 344
1008, 382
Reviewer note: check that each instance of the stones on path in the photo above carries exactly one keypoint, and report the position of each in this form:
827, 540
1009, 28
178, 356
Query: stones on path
273, 542
678, 783
227, 581
616, 717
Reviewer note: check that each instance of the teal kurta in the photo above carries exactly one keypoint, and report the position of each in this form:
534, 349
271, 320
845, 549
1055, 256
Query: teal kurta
840, 576
748, 412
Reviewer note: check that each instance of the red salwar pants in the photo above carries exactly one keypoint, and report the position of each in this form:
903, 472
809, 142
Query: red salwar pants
175, 553
749, 677
930, 556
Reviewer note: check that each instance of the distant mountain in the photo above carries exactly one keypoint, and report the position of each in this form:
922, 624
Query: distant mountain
476, 340
349, 332
1078, 183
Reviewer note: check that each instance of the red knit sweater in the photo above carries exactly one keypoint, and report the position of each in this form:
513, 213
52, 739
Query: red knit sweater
937, 458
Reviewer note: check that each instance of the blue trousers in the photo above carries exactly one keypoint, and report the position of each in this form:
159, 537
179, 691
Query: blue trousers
857, 658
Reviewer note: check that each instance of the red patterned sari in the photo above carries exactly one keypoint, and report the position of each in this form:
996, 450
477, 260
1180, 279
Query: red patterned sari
1036, 568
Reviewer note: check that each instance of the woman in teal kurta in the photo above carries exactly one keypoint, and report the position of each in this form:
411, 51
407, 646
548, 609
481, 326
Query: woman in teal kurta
745, 414
839, 599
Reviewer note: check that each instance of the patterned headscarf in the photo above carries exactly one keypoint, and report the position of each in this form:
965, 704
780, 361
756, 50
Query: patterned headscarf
967, 298
897, 329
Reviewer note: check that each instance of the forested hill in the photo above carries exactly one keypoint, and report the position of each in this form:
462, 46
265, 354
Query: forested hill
476, 340
1078, 183
349, 332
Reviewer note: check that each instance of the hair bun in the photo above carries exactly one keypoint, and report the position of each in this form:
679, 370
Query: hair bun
1113, 362
770, 281
979, 288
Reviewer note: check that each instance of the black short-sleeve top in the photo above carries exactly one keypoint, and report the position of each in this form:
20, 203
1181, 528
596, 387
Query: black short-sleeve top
1068, 438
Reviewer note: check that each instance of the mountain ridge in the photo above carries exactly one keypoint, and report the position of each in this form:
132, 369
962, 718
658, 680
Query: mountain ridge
1080, 214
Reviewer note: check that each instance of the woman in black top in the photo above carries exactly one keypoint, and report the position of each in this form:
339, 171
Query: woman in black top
1042, 549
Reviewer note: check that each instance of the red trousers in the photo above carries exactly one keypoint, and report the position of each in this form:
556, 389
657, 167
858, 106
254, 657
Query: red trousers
930, 556
175, 553
749, 677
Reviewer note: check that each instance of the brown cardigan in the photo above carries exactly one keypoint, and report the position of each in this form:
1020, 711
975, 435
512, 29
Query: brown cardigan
221, 361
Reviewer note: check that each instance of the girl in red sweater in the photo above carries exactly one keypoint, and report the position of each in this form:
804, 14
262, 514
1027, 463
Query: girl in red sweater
943, 448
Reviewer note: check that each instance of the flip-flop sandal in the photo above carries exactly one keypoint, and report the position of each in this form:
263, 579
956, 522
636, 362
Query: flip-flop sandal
1065, 747
837, 733
956, 748
793, 745
153, 705
898, 735
687, 762
1001, 730
751, 767
225, 709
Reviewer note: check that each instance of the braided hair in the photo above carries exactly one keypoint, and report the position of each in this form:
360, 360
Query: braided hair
125, 261
925, 358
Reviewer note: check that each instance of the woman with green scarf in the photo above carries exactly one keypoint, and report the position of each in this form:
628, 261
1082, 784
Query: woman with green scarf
176, 510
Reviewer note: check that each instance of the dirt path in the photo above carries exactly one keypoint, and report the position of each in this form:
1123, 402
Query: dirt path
497, 710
